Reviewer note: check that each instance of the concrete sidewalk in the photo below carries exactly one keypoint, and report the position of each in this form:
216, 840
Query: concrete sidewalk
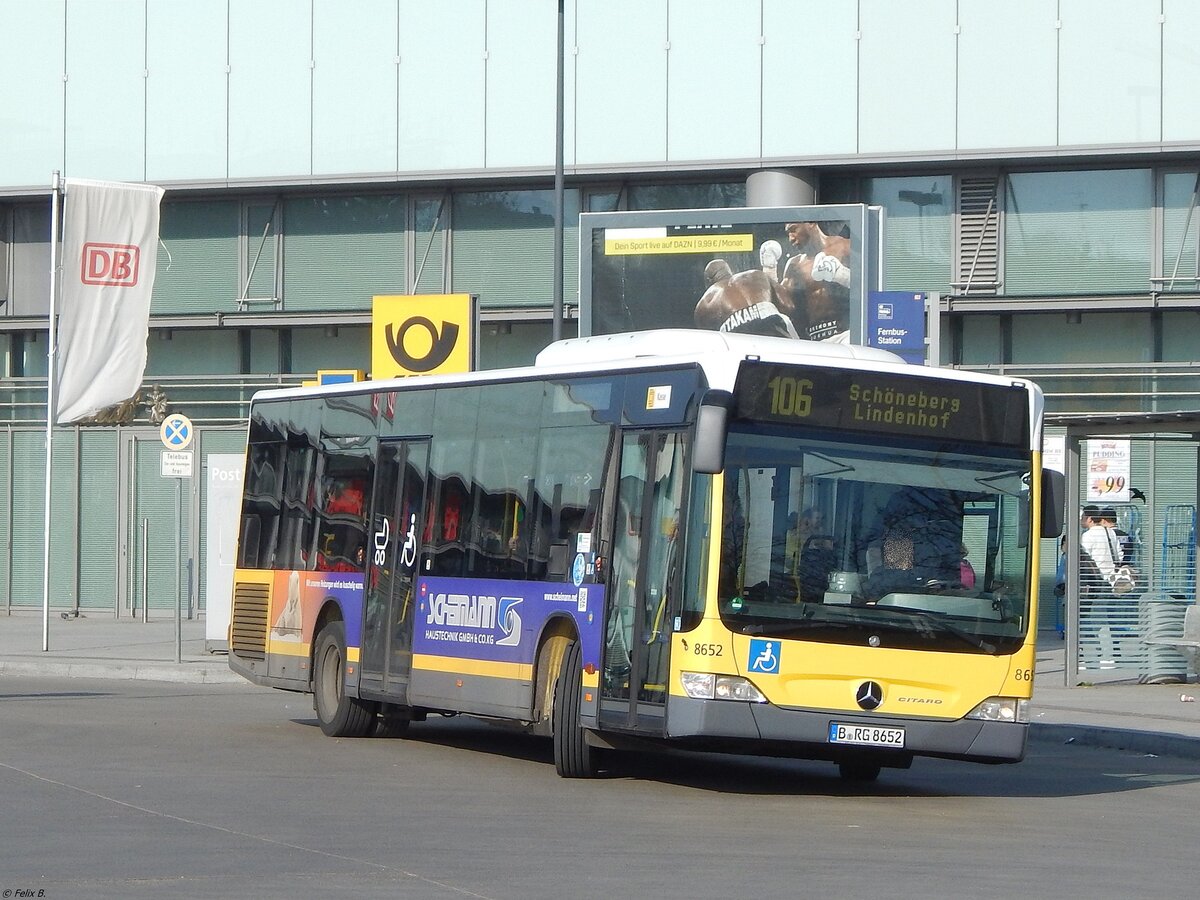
1111, 709
98, 645
1115, 713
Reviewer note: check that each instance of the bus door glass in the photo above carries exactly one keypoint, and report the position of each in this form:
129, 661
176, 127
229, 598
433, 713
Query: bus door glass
645, 563
392, 563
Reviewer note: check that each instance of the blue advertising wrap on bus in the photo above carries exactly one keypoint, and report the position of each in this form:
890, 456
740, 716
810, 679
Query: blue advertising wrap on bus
499, 621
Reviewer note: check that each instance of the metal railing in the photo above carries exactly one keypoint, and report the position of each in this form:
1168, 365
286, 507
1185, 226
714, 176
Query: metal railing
1071, 389
1110, 387
211, 400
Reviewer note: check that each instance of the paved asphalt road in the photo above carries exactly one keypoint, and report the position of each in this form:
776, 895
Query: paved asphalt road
120, 789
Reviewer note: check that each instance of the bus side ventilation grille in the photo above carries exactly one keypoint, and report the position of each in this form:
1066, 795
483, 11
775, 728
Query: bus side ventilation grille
248, 638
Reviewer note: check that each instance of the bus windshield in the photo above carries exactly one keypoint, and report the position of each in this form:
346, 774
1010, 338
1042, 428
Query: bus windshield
843, 539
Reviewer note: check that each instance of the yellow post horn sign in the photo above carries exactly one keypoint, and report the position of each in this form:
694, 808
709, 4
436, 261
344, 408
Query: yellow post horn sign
423, 334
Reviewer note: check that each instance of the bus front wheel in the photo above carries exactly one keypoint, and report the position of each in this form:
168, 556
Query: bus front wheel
339, 715
573, 756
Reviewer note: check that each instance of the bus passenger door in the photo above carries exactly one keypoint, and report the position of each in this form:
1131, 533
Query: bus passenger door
392, 565
644, 571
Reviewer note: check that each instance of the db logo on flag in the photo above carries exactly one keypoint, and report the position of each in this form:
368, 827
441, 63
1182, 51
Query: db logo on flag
110, 264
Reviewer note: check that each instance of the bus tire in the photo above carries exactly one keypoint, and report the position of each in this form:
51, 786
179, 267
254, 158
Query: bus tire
573, 756
393, 721
339, 715
860, 770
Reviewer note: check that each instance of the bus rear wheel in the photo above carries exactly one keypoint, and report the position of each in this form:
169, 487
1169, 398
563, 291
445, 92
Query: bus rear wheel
339, 715
573, 756
393, 721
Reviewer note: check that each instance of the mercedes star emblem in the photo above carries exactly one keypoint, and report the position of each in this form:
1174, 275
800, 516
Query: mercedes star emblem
869, 695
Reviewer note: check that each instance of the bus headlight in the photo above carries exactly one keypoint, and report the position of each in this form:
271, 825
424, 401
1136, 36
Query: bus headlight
706, 686
1002, 709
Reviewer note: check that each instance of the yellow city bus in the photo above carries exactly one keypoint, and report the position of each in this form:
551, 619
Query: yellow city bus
691, 539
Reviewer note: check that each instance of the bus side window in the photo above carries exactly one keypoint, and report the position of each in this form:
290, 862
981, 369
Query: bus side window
261, 506
566, 499
260, 479
342, 526
248, 542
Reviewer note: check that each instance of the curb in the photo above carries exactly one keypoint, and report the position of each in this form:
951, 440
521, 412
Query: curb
1154, 743
173, 672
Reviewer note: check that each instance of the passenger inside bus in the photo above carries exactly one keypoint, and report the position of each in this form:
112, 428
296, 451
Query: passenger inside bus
804, 525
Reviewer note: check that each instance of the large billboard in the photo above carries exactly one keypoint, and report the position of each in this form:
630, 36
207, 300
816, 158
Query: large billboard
802, 272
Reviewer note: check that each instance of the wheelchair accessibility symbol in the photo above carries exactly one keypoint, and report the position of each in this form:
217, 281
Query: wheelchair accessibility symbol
764, 656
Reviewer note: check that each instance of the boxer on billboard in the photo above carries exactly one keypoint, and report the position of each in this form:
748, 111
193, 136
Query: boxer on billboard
810, 301
817, 282
749, 302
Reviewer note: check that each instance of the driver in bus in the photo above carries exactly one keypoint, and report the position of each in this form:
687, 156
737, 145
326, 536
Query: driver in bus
934, 517
896, 573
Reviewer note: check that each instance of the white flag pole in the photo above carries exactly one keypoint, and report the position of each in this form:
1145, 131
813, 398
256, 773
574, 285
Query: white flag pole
51, 364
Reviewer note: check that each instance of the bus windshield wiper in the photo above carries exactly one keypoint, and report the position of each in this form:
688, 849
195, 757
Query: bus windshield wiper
791, 626
940, 624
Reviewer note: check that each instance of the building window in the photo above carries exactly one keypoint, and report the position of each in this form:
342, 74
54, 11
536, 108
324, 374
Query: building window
1097, 338
5, 243
917, 230
197, 268
503, 246
687, 196
258, 279
431, 217
342, 250
1180, 230
1084, 232
30, 261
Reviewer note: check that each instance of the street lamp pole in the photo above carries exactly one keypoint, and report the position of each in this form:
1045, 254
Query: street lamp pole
556, 326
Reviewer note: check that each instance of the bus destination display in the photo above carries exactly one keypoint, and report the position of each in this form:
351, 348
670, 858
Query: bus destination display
882, 402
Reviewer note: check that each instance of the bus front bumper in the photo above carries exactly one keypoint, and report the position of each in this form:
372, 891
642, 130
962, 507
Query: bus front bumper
805, 733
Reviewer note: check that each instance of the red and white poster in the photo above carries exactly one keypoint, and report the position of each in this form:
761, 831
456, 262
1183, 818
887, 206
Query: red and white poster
1108, 471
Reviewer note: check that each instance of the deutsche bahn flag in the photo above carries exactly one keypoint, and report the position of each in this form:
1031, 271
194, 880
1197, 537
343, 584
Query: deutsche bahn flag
110, 244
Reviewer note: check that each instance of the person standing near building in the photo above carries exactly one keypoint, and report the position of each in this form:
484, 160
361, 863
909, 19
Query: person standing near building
1099, 540
1100, 545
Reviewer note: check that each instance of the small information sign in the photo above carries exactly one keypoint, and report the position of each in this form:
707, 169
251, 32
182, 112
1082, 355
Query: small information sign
176, 464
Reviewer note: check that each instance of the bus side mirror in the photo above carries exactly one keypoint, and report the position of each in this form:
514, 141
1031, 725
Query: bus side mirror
1054, 500
712, 425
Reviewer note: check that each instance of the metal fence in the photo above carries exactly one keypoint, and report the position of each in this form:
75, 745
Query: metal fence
218, 400
1118, 634
1110, 387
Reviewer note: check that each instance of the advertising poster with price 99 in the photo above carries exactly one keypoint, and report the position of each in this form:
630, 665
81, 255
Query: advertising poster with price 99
800, 272
1108, 471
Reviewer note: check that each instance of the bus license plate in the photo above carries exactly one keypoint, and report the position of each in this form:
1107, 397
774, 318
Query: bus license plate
866, 735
